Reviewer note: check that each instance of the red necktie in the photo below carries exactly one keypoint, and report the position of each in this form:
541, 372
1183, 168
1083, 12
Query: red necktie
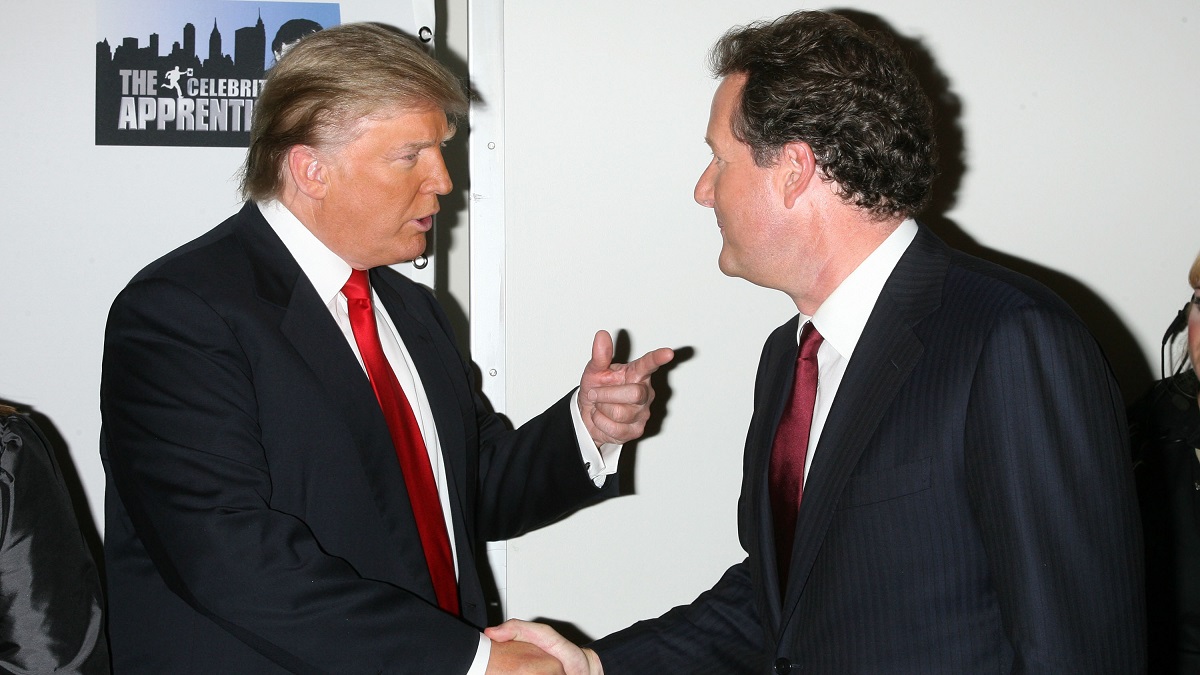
790, 449
406, 436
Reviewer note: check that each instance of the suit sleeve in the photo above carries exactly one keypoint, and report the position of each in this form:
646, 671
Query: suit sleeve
722, 630
719, 632
529, 476
186, 457
1049, 481
533, 475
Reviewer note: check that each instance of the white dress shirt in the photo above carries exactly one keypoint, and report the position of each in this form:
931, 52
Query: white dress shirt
841, 319
328, 273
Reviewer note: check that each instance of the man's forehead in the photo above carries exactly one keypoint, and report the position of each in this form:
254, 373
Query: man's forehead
720, 115
729, 92
388, 111
732, 84
428, 123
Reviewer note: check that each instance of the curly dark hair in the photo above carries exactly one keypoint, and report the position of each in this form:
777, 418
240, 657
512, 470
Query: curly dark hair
821, 79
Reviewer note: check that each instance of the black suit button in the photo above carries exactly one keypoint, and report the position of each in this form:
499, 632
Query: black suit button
782, 666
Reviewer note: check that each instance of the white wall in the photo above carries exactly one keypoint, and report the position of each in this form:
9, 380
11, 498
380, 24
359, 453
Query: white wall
1078, 122
1078, 127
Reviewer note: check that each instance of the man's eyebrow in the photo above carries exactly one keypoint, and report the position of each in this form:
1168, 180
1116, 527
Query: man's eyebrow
419, 145
415, 146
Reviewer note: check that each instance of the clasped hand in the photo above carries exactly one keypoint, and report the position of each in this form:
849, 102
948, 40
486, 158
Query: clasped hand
511, 642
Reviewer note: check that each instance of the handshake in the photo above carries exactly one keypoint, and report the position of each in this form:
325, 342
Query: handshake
526, 647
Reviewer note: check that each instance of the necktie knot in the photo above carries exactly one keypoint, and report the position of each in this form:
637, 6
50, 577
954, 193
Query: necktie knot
810, 342
358, 287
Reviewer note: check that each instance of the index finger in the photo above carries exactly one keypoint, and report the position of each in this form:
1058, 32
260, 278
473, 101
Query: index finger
649, 362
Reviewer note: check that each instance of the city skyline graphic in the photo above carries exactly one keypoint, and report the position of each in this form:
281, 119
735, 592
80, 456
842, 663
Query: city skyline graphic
196, 86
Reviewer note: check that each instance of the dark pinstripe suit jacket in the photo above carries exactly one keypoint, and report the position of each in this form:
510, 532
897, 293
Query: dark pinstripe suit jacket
969, 509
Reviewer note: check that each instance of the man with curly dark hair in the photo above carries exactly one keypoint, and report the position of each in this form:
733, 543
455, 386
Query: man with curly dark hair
936, 477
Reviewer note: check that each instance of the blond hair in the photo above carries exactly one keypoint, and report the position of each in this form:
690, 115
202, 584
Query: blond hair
329, 81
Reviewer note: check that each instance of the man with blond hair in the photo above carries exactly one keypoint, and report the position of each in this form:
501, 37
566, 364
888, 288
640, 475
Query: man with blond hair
301, 477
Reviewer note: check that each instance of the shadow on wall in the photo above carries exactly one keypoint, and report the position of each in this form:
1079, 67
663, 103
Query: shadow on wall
449, 224
1132, 371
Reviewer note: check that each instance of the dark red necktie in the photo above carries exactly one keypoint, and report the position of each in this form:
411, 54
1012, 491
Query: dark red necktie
406, 436
790, 449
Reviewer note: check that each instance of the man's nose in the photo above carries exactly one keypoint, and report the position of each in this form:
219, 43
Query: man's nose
703, 193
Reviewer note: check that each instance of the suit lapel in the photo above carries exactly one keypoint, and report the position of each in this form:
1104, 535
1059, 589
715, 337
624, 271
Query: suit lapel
886, 353
432, 360
431, 364
774, 385
306, 323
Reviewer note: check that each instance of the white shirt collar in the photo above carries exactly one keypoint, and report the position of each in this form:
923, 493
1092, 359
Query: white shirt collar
843, 315
327, 272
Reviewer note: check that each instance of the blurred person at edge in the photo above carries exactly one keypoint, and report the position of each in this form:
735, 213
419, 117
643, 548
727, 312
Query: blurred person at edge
1164, 425
51, 604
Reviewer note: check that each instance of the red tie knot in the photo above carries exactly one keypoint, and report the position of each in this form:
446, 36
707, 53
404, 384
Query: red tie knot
810, 341
357, 287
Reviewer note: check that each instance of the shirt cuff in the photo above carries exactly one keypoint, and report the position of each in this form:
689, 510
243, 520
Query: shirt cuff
600, 462
479, 665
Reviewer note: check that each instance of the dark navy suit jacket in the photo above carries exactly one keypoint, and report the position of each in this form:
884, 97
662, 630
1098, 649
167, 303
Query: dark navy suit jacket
256, 518
969, 509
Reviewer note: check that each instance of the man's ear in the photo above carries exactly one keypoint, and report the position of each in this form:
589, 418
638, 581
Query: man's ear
797, 166
308, 172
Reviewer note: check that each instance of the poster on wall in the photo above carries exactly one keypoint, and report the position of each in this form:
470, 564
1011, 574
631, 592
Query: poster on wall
188, 73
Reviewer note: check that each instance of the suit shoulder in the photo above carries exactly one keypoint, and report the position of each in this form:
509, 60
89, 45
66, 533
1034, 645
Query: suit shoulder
235, 258
211, 256
992, 289
981, 303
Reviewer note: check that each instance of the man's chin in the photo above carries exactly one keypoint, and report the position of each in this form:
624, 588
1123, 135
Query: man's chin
726, 266
407, 255
416, 248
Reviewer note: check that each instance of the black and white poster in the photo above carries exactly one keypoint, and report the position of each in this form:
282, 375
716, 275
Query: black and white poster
188, 73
